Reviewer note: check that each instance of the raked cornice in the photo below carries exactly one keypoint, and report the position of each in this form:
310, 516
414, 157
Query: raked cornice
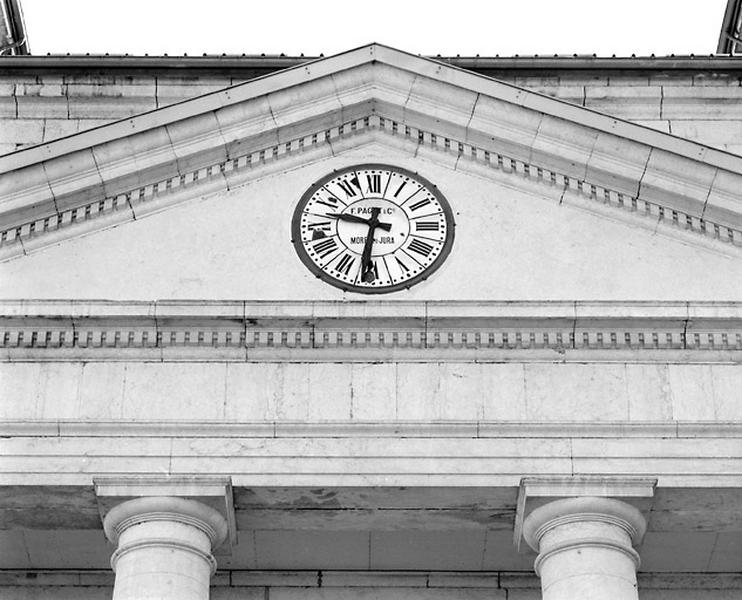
224, 139
317, 331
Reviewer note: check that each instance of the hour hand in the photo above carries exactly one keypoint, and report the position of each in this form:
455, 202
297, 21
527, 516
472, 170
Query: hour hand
355, 219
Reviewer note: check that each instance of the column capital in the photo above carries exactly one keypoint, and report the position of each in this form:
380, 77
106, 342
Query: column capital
599, 515
590, 492
166, 508
584, 530
166, 532
200, 498
585, 548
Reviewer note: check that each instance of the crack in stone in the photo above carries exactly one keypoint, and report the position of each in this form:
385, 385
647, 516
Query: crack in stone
172, 147
409, 92
708, 194
644, 172
51, 191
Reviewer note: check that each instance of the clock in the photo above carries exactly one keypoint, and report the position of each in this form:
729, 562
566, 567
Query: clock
372, 228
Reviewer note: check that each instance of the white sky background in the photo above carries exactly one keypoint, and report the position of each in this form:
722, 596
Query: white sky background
465, 27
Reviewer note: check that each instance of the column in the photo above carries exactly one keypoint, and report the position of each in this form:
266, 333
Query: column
164, 546
585, 547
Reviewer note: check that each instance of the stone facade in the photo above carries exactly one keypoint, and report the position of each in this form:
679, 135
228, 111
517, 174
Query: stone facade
181, 395
700, 101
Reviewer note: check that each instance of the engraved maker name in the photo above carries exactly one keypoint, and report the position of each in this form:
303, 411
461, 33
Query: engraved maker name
361, 239
366, 210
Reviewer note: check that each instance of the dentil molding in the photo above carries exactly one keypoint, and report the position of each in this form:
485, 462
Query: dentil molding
371, 330
101, 211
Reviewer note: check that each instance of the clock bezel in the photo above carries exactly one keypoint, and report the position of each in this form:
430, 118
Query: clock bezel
346, 287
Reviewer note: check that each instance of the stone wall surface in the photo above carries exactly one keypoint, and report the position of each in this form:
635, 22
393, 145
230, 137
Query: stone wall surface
703, 107
328, 585
363, 392
324, 423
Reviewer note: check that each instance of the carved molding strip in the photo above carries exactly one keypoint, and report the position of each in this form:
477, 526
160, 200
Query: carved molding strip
394, 330
127, 203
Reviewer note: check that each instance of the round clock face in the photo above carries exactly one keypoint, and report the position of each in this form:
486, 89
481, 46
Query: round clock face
373, 228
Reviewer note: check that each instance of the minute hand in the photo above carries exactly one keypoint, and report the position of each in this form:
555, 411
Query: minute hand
354, 219
367, 269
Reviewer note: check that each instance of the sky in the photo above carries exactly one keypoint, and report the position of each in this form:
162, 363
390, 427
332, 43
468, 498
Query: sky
312, 27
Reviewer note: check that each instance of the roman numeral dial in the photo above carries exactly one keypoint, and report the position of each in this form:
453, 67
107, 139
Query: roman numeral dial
373, 229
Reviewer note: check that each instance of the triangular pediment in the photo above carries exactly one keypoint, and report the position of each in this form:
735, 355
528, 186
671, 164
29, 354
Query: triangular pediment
515, 240
372, 95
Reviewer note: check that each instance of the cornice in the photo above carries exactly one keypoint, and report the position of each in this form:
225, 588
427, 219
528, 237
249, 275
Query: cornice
265, 63
363, 331
41, 231
373, 55
223, 139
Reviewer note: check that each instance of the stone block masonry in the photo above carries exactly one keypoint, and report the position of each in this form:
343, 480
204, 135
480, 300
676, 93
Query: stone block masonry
354, 585
53, 105
369, 392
